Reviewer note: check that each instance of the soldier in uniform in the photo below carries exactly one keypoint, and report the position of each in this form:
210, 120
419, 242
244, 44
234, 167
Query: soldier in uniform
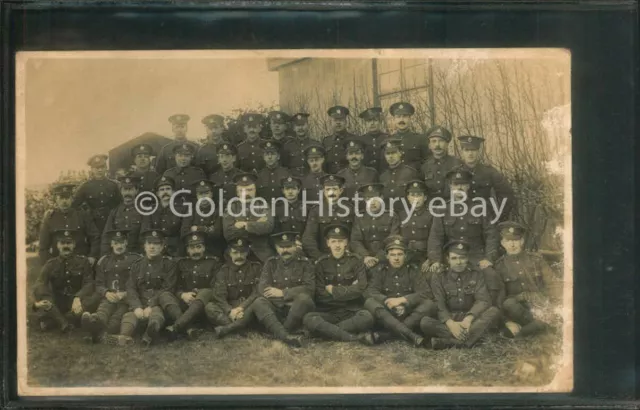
415, 228
147, 176
205, 218
477, 231
334, 144
235, 287
415, 146
207, 155
486, 180
320, 216
193, 291
398, 296
269, 177
150, 276
98, 194
436, 167
249, 151
124, 216
373, 139
166, 159
293, 150
311, 181
341, 279
397, 174
85, 234
184, 174
286, 288
464, 305
528, 291
278, 121
223, 178
373, 227
112, 274
256, 226
356, 173
163, 218
290, 215
65, 287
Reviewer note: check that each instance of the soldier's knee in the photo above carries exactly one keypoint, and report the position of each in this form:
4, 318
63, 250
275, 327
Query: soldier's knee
311, 320
304, 299
510, 304
211, 309
167, 298
204, 296
372, 305
365, 318
428, 323
492, 314
130, 318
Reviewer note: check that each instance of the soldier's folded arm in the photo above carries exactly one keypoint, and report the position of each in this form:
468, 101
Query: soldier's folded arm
444, 315
351, 292
261, 227
229, 229
482, 297
310, 236
308, 284
436, 240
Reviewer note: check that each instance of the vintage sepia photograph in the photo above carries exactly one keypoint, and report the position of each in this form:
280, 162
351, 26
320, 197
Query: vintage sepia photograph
294, 221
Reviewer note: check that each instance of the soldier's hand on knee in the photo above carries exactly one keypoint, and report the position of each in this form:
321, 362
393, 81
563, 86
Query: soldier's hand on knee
121, 295
146, 312
456, 329
111, 297
76, 306
236, 313
139, 313
187, 297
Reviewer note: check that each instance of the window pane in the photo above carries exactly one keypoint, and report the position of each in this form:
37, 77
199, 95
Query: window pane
386, 65
389, 82
415, 76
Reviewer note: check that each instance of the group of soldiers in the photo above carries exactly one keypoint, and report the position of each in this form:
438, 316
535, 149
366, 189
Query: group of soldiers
434, 281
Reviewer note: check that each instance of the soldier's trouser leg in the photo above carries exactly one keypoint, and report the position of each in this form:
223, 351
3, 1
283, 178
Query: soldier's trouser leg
237, 325
480, 325
91, 302
265, 312
156, 322
128, 324
324, 324
170, 305
360, 321
517, 311
216, 316
432, 327
389, 321
302, 304
54, 315
195, 309
114, 323
103, 314
531, 328
494, 283
426, 308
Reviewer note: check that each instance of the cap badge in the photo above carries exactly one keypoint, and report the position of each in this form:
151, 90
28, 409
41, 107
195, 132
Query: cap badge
289, 179
127, 180
118, 234
469, 139
460, 246
194, 237
370, 188
225, 146
511, 230
154, 233
285, 237
184, 146
244, 178
313, 150
66, 233
331, 178
278, 116
415, 184
142, 148
202, 183
163, 179
458, 175
299, 116
239, 241
352, 144
338, 111
397, 241
400, 106
389, 145
268, 144
337, 230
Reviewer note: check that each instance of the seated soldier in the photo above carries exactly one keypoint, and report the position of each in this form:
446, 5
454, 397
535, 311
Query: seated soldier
528, 293
235, 287
373, 227
112, 274
286, 288
65, 287
149, 277
341, 279
398, 296
193, 290
464, 304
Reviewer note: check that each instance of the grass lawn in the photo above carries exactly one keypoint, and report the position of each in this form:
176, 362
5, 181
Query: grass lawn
56, 360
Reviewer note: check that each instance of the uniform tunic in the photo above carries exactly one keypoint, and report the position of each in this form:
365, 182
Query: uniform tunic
485, 178
373, 155
335, 157
348, 277
170, 223
295, 276
458, 294
406, 281
64, 278
257, 229
147, 180
355, 179
312, 186
123, 217
313, 241
415, 231
250, 156
100, 196
236, 286
113, 271
223, 180
195, 275
525, 272
214, 242
415, 147
166, 158
268, 183
293, 155
290, 216
148, 279
184, 177
434, 172
395, 180
87, 236
369, 232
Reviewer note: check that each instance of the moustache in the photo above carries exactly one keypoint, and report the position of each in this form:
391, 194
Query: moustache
196, 255
402, 123
286, 253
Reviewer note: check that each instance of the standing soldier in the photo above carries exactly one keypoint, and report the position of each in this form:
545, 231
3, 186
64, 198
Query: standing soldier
528, 291
256, 226
320, 216
397, 174
141, 154
112, 274
372, 228
311, 181
373, 139
334, 144
436, 167
85, 234
398, 296
290, 214
293, 150
195, 275
223, 178
356, 173
65, 288
166, 159
286, 288
163, 218
278, 121
206, 218
207, 155
416, 227
249, 151
464, 305
99, 194
149, 276
125, 217
235, 287
486, 181
184, 174
269, 177
415, 146
459, 223
341, 279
